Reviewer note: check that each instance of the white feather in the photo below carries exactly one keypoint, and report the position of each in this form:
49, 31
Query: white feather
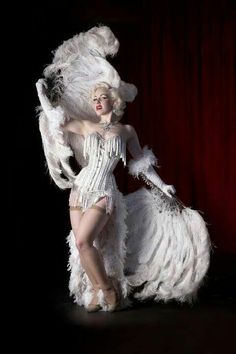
167, 248
142, 163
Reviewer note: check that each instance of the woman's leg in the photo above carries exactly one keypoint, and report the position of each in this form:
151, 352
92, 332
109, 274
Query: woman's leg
90, 226
75, 218
86, 230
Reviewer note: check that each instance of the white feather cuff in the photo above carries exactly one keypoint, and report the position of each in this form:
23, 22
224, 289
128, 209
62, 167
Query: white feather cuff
142, 163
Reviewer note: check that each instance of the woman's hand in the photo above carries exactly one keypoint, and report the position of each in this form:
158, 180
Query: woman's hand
169, 190
45, 103
55, 114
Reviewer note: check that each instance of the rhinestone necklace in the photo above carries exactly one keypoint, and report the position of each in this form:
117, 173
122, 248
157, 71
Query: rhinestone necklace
106, 126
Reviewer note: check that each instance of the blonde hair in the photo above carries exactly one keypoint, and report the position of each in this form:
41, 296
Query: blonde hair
113, 93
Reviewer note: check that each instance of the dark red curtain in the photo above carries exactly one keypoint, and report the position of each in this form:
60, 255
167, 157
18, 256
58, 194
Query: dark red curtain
182, 58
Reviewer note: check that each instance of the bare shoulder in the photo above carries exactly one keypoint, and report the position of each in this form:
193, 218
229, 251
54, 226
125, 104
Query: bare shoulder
129, 130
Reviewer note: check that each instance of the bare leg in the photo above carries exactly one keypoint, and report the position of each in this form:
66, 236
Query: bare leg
75, 218
86, 230
90, 226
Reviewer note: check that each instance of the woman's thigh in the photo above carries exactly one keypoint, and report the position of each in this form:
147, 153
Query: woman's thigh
92, 222
75, 218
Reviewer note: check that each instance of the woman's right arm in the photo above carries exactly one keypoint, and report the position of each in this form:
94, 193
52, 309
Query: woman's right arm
56, 115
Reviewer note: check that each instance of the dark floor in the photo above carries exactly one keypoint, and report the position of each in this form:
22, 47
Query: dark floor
206, 327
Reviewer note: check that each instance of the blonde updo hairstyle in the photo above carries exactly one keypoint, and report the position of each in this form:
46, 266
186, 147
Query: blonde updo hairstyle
113, 93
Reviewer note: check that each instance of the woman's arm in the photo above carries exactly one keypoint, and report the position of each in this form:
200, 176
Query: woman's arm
59, 123
56, 114
74, 126
56, 149
143, 162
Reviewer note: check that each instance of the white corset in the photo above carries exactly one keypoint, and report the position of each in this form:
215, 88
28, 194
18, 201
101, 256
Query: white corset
96, 179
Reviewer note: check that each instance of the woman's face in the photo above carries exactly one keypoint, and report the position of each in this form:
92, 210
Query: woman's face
102, 103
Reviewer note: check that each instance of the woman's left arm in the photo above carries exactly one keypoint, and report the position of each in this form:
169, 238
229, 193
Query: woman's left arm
143, 162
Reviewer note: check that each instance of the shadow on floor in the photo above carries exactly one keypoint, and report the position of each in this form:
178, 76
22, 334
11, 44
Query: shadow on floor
205, 327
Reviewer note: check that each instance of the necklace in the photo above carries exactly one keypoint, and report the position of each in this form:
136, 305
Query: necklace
106, 126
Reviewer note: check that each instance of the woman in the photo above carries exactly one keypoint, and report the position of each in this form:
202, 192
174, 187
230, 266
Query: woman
109, 256
87, 220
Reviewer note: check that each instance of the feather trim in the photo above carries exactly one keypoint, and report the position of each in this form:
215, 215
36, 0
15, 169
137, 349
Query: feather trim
142, 163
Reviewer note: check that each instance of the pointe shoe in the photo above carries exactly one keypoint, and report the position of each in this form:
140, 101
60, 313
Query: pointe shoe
111, 298
94, 306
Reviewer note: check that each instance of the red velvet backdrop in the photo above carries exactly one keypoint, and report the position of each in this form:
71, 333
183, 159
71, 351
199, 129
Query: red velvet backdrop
183, 62
181, 56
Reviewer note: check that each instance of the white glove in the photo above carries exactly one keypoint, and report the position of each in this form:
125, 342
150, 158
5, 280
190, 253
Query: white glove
143, 166
55, 115
169, 190
150, 175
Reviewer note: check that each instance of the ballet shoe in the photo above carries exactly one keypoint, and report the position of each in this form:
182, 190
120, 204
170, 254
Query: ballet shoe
111, 298
94, 306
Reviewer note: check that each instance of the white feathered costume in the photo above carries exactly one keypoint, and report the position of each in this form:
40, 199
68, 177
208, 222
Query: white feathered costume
152, 245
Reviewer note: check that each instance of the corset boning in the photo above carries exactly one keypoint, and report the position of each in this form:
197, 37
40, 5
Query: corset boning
96, 179
97, 175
